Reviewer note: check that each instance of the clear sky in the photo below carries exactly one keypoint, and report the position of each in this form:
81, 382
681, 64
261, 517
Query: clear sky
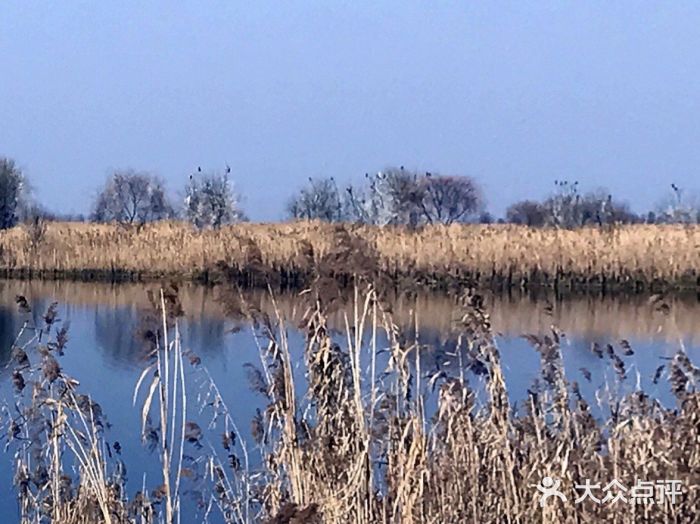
516, 94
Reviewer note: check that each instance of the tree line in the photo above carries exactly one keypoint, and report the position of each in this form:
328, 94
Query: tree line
394, 196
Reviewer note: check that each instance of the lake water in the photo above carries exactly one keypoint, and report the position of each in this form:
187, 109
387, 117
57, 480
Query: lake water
105, 355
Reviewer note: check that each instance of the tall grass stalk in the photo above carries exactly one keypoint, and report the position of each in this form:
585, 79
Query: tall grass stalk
169, 383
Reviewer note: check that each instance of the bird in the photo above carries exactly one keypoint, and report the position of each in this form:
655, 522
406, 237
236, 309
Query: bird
586, 374
674, 187
199, 169
595, 348
228, 168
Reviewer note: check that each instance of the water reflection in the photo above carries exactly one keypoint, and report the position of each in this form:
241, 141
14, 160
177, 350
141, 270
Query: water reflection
117, 334
9, 327
117, 313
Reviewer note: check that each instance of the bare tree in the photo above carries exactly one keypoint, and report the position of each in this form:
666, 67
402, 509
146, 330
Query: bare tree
448, 199
405, 196
210, 200
528, 213
600, 208
391, 196
132, 197
13, 193
399, 196
320, 200
568, 208
678, 207
486, 218
362, 205
563, 207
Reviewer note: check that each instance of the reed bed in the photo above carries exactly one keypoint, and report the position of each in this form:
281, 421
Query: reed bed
354, 428
630, 257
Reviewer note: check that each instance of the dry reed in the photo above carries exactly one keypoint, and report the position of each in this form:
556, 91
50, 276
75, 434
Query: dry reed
631, 257
354, 428
359, 445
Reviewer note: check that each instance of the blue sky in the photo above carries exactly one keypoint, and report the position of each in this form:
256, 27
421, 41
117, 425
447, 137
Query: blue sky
515, 94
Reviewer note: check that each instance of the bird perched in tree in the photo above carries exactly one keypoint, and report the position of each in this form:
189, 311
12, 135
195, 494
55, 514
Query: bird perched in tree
228, 168
199, 169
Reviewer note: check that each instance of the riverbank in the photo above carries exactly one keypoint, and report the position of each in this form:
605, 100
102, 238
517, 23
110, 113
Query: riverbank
626, 258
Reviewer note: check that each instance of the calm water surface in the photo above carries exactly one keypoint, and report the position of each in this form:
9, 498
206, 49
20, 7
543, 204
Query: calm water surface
104, 354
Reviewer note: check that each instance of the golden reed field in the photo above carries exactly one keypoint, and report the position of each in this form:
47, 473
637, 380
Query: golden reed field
632, 257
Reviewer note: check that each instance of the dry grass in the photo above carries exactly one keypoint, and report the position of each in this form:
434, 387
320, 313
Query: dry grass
359, 446
355, 429
501, 255
65, 469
